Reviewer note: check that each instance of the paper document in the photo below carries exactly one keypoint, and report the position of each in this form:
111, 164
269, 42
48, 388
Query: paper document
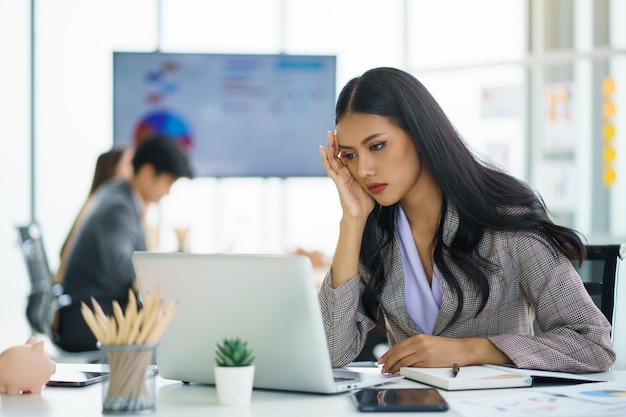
533, 403
613, 392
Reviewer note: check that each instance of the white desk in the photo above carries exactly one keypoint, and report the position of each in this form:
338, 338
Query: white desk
177, 400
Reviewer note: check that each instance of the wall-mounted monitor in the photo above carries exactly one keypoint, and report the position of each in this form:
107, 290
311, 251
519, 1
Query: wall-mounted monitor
237, 115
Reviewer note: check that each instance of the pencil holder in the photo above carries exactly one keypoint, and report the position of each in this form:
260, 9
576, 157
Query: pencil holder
130, 388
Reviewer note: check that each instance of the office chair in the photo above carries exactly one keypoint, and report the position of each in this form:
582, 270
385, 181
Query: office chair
45, 297
599, 273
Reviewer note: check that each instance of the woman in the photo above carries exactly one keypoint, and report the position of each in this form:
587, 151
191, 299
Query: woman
114, 163
459, 257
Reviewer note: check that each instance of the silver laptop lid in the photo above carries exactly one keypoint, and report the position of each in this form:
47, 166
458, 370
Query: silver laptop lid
268, 300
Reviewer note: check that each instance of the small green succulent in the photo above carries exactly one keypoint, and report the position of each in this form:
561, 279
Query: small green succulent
233, 352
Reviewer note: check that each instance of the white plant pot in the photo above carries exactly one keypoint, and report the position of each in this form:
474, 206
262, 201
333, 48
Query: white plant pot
234, 384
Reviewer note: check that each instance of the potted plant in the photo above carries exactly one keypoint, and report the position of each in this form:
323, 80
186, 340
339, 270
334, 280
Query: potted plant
234, 372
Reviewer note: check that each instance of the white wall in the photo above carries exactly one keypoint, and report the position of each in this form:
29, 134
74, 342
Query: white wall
14, 167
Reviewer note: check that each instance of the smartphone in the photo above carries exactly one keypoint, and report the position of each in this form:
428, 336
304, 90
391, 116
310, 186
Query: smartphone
69, 378
399, 399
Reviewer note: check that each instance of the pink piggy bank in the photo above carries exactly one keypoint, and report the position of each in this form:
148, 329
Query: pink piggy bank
25, 368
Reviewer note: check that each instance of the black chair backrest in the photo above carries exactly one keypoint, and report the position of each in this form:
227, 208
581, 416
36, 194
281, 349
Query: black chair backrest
40, 300
599, 274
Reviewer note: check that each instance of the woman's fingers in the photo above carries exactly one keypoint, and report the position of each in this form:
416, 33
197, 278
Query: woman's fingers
424, 350
324, 158
331, 163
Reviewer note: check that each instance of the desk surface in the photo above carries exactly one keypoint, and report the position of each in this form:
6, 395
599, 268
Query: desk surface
176, 399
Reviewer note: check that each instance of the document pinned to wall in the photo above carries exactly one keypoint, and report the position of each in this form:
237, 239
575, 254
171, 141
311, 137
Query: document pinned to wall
560, 121
557, 184
501, 101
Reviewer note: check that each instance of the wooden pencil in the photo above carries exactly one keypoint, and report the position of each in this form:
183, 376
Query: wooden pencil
138, 330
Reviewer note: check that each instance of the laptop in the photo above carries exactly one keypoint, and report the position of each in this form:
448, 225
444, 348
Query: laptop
268, 300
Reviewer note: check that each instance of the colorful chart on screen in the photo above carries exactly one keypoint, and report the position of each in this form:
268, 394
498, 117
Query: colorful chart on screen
163, 123
237, 115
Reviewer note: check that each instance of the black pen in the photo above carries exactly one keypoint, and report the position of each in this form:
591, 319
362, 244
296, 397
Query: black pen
455, 370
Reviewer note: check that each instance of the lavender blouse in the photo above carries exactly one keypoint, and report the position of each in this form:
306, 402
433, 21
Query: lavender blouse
423, 301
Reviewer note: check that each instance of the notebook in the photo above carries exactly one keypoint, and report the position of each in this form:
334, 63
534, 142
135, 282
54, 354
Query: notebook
490, 376
468, 377
268, 300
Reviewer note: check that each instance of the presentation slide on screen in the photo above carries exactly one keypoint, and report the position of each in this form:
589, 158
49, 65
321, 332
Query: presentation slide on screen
236, 115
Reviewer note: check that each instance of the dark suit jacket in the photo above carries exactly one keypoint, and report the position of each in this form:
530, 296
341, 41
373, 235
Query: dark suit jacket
532, 281
100, 260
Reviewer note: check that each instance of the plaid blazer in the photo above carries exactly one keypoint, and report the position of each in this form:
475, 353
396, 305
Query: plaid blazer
532, 282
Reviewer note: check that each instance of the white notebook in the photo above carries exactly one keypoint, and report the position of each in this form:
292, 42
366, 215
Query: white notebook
487, 377
469, 377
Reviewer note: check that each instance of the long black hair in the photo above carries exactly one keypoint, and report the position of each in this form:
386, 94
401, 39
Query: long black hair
485, 197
